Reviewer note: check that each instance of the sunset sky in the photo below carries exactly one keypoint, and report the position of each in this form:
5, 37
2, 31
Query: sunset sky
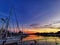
33, 14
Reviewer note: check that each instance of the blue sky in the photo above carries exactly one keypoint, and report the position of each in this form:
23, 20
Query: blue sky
29, 12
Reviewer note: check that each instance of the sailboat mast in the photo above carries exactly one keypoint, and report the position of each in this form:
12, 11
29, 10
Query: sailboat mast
7, 21
16, 20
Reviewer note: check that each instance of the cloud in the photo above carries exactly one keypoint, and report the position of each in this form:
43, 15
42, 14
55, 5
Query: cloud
54, 25
57, 22
35, 25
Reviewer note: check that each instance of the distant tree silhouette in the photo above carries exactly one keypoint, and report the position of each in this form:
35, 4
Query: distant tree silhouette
58, 32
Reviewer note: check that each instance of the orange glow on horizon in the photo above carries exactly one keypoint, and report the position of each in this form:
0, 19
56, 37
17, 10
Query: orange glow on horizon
32, 30
40, 30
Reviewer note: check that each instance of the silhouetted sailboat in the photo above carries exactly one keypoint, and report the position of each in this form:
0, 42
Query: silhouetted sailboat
4, 37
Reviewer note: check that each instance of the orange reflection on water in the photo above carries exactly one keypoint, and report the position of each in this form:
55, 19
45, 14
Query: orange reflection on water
32, 37
41, 38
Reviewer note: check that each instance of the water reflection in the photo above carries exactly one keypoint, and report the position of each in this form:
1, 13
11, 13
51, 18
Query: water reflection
41, 40
32, 37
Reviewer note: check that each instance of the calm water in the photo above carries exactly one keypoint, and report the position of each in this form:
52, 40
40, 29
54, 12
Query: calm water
40, 40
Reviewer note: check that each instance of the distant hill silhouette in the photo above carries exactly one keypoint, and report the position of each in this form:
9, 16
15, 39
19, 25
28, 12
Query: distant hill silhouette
57, 34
